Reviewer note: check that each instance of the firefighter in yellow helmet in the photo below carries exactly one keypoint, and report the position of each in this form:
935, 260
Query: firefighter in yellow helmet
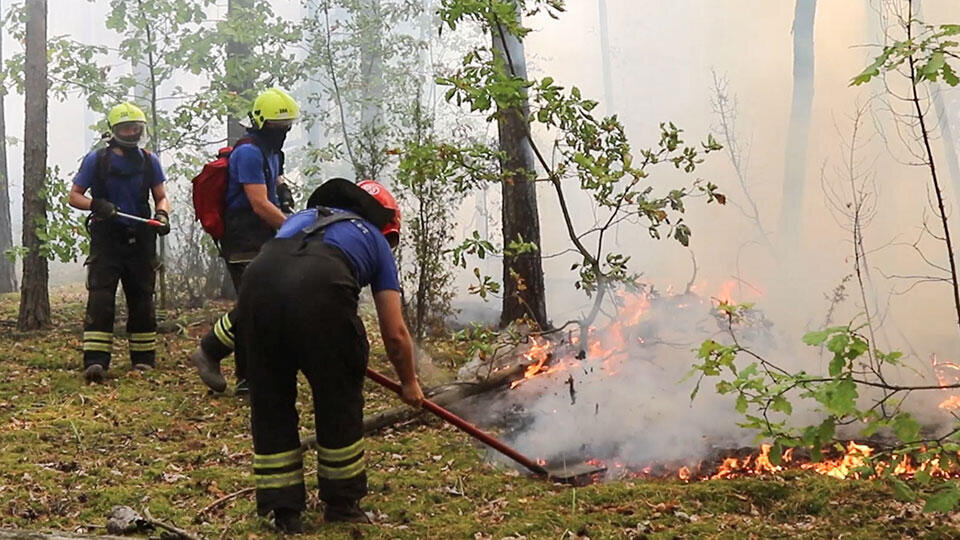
121, 178
257, 204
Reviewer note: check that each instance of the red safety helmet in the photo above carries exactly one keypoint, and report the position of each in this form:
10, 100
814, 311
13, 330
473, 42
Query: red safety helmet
392, 229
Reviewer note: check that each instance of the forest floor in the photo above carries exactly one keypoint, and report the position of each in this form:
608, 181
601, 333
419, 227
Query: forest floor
159, 440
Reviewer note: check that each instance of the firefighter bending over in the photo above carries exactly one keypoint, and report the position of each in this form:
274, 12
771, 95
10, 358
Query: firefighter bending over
121, 177
297, 311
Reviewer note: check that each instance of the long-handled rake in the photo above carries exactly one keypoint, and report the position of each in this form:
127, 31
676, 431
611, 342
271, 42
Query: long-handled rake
577, 474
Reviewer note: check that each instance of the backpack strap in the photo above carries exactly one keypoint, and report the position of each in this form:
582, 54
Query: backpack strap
325, 218
103, 169
98, 189
149, 175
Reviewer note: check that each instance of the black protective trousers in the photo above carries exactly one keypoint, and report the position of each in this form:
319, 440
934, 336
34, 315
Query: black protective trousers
297, 311
245, 234
220, 341
125, 255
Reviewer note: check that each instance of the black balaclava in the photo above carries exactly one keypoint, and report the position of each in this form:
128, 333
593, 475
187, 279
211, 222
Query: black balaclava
273, 138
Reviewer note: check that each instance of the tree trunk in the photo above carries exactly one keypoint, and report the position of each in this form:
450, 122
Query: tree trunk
605, 58
949, 142
236, 79
799, 128
152, 86
371, 158
8, 271
523, 289
34, 297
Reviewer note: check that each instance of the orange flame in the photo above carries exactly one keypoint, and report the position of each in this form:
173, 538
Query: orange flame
948, 374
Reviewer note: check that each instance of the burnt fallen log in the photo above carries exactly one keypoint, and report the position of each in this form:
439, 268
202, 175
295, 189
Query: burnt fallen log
444, 395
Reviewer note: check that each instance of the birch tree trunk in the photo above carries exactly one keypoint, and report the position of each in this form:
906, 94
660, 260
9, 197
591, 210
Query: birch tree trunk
34, 297
523, 287
798, 133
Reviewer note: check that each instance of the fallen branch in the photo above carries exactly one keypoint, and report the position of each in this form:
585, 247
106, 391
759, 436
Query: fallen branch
11, 534
182, 534
222, 500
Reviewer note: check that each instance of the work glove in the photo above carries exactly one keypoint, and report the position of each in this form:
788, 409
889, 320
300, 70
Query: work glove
286, 199
164, 219
103, 208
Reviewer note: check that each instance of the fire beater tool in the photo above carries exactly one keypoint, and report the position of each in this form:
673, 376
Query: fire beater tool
576, 474
151, 222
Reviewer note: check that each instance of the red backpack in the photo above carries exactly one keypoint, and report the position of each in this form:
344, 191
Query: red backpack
210, 191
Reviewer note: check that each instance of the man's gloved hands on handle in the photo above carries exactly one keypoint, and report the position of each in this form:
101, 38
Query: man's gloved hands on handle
164, 218
102, 208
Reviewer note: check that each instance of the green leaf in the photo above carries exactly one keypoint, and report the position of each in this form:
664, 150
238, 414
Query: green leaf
838, 343
776, 453
826, 430
836, 365
944, 500
839, 397
741, 404
816, 338
950, 76
780, 404
906, 428
902, 491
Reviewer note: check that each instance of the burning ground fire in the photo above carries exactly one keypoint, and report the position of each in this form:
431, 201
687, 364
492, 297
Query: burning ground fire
635, 332
852, 463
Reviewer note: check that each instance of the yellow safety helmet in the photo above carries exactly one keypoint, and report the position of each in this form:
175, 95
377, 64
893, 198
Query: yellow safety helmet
125, 112
122, 118
273, 104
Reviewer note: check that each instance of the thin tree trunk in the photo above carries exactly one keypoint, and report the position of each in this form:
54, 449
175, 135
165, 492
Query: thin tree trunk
949, 142
931, 164
34, 297
8, 271
237, 53
798, 133
158, 148
523, 287
371, 106
236, 82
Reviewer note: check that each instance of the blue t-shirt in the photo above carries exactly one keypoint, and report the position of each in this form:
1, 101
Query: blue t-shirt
124, 180
246, 167
362, 243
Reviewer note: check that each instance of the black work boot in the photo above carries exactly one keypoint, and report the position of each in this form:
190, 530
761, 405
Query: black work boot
209, 370
93, 373
345, 511
288, 521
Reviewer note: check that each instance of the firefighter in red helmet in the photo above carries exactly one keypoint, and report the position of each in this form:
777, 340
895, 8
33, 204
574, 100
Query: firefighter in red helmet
297, 311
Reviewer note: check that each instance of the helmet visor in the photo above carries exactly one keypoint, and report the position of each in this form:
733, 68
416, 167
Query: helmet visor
280, 125
130, 133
